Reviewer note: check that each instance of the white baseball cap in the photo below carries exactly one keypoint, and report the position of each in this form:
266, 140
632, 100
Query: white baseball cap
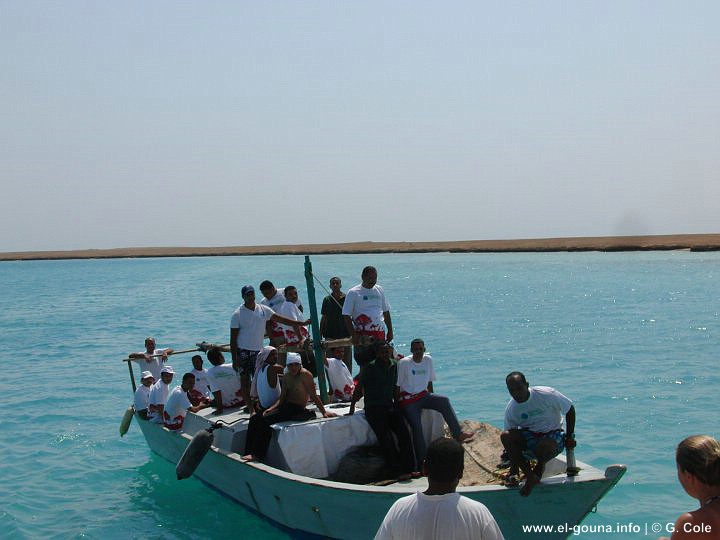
167, 369
146, 375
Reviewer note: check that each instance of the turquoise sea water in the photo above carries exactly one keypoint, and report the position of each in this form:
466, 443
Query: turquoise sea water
632, 338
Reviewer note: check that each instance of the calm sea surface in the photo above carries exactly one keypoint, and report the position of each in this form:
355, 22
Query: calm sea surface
631, 338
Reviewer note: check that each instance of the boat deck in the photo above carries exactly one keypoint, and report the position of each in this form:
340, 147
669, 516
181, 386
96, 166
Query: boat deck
339, 448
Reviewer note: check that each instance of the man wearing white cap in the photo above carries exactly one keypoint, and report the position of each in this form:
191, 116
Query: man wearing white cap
298, 387
159, 393
142, 394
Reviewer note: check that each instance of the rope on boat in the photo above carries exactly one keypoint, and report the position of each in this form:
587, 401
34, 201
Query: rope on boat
494, 472
325, 289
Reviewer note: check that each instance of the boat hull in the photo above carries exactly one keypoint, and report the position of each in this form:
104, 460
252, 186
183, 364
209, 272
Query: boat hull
325, 508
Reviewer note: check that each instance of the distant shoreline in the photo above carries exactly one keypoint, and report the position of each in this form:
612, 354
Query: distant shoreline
692, 242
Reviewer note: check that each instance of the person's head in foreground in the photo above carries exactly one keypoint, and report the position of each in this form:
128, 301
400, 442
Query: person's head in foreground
698, 470
698, 463
444, 462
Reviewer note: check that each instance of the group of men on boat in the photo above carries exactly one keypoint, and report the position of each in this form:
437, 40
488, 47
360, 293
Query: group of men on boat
276, 386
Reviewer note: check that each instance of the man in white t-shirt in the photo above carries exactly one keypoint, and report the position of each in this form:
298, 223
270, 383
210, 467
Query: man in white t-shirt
290, 335
415, 393
273, 299
341, 382
152, 358
142, 394
247, 331
223, 381
201, 390
159, 393
290, 310
367, 313
440, 512
178, 403
533, 424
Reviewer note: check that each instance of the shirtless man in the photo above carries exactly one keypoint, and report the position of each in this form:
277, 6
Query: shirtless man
297, 388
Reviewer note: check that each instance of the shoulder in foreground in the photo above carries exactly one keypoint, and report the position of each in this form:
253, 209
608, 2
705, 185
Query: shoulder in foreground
692, 525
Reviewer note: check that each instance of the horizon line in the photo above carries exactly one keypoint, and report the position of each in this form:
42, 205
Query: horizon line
666, 242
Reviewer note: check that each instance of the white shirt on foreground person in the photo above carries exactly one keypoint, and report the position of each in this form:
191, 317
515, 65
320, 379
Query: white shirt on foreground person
427, 517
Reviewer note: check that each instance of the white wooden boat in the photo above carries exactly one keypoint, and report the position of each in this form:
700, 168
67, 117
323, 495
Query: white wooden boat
340, 510
291, 488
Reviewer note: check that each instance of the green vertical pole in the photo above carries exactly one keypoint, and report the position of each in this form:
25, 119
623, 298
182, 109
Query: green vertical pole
132, 376
315, 327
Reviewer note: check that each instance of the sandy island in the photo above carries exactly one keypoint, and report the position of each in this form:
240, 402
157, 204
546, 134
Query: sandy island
692, 242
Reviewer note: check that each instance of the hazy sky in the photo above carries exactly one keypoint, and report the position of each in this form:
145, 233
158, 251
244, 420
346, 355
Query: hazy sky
260, 122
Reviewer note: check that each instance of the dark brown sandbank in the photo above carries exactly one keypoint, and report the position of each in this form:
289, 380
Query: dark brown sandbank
692, 242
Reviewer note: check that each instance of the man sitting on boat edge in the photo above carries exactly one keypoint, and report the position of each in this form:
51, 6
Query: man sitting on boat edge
142, 394
266, 385
223, 381
415, 393
298, 387
533, 424
178, 403
159, 394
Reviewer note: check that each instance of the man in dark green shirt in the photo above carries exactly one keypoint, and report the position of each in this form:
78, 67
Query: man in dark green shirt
332, 323
377, 381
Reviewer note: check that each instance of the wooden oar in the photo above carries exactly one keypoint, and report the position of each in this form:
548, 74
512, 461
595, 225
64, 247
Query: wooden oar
204, 346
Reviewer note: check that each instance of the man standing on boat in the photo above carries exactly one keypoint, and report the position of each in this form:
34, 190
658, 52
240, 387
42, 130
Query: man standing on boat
273, 299
298, 388
291, 337
332, 322
247, 331
440, 512
533, 423
377, 381
367, 315
151, 359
